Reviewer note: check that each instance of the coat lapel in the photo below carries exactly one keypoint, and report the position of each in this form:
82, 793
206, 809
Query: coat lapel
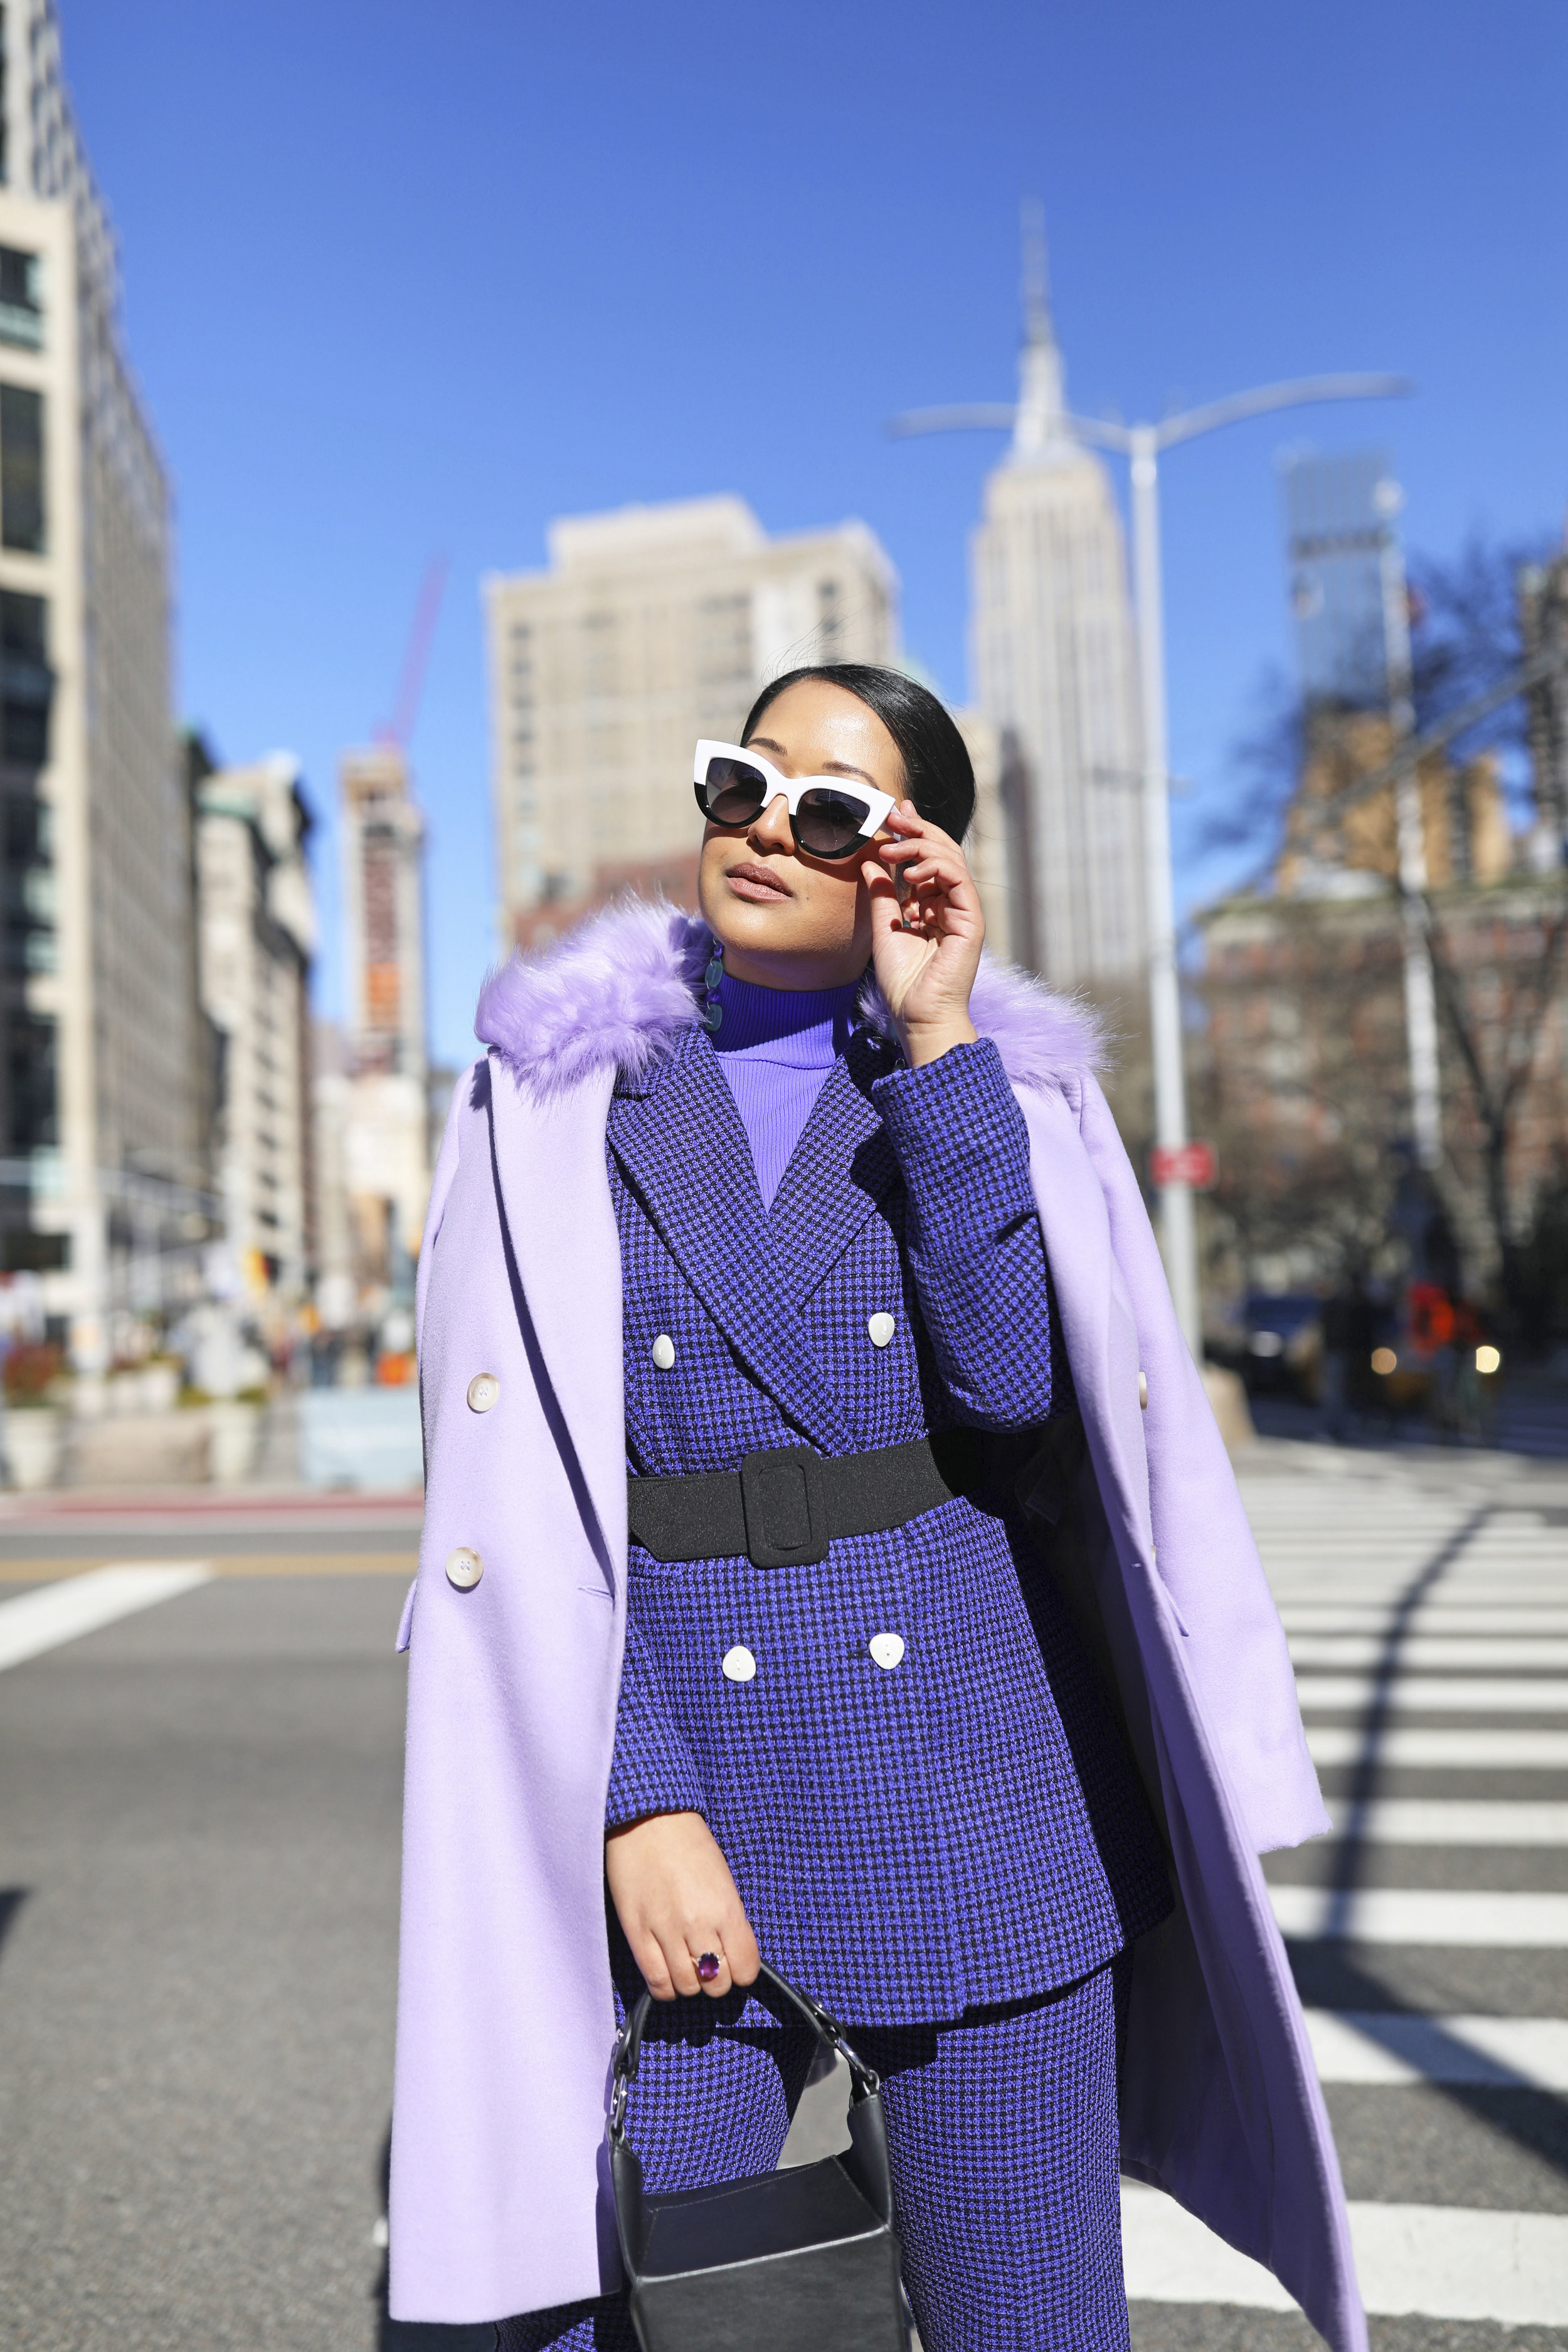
842, 1167
563, 1260
678, 1137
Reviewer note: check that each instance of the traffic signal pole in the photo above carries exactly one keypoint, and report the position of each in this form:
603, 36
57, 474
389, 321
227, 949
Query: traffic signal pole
1178, 1224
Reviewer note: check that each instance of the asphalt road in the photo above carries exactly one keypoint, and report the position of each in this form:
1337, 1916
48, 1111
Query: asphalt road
199, 1860
199, 1879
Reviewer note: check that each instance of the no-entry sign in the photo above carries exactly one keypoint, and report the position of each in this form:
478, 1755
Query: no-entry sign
1194, 1164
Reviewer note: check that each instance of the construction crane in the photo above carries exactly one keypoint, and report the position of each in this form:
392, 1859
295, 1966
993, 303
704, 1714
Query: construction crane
416, 660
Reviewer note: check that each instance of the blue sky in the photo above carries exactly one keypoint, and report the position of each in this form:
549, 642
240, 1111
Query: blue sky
401, 281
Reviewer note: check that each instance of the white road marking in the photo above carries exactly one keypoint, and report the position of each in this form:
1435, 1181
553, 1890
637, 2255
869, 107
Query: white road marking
1456, 1821
52, 1613
1458, 1652
1401, 2047
1454, 1694
1352, 1619
1366, 1585
1444, 1751
1441, 2261
1364, 1598
1421, 1914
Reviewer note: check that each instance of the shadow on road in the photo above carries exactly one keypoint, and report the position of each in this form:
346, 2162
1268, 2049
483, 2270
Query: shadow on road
1326, 1972
11, 1901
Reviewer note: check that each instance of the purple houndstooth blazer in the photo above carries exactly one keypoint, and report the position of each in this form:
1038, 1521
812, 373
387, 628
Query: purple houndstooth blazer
965, 1827
505, 2013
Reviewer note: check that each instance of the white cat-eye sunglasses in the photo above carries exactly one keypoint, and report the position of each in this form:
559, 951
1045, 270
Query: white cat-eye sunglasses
829, 817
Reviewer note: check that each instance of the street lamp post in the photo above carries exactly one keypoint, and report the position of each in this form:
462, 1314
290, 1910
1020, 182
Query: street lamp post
1143, 446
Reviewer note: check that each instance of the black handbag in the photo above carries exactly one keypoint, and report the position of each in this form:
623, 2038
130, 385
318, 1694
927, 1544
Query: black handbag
799, 2261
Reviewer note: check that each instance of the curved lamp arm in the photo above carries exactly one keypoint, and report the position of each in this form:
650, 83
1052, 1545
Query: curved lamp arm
1296, 393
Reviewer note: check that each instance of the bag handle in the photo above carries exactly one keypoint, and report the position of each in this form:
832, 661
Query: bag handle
864, 2081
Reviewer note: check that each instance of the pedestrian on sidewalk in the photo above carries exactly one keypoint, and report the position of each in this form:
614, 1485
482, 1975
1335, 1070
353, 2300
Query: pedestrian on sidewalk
829, 1547
1349, 1330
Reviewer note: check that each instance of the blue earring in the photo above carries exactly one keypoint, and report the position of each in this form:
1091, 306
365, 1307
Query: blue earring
712, 1012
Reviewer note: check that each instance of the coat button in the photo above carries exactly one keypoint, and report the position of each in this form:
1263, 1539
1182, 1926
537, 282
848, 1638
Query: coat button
738, 1665
881, 1328
663, 1351
887, 1649
464, 1567
483, 1390
1143, 1392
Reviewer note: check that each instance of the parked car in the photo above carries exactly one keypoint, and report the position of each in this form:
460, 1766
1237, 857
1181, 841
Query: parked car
1278, 1344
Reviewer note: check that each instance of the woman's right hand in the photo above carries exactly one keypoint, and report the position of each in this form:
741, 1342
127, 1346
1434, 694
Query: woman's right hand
676, 1900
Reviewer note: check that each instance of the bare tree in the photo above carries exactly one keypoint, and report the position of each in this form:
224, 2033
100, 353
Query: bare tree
1498, 955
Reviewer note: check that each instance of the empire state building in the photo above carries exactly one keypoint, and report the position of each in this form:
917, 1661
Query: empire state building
1055, 673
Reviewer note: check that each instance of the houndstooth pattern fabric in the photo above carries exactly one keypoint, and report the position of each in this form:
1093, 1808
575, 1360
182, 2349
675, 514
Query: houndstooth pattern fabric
1001, 2139
964, 1828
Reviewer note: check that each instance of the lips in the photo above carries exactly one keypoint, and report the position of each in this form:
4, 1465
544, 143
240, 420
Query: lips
761, 884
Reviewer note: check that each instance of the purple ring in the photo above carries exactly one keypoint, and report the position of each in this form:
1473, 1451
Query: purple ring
707, 1966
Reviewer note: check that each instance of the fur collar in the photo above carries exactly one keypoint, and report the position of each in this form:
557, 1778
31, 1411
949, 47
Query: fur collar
618, 990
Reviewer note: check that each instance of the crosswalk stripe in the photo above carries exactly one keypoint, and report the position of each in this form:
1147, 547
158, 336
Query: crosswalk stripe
1415, 1595
1450, 1694
1350, 1622
1396, 2046
40, 1621
1369, 1586
1444, 1749
1451, 1652
1440, 2261
1455, 1820
1421, 1914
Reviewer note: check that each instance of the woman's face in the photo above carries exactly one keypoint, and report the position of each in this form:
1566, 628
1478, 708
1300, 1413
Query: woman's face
787, 920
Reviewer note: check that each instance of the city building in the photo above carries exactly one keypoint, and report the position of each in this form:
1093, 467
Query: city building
257, 934
1337, 837
376, 1101
1543, 612
652, 626
1055, 673
1338, 519
104, 1184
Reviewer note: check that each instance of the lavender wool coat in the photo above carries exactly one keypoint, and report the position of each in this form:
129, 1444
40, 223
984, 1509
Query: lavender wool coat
505, 2017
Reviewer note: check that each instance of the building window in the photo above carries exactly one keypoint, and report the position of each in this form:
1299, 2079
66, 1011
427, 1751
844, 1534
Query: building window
26, 886
21, 298
26, 1253
27, 681
30, 1066
21, 470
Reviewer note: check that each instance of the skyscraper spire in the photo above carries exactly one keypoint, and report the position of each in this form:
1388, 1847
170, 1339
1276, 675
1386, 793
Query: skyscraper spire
1041, 425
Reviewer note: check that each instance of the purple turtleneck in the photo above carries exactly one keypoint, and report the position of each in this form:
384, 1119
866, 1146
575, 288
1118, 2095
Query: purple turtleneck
776, 1047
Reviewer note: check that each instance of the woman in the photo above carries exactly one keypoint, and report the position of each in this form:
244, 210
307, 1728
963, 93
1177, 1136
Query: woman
788, 1317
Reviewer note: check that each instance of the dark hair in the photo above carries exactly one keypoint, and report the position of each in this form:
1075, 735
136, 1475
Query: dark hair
939, 775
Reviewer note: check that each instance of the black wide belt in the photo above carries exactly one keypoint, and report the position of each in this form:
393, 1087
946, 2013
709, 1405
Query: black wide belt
782, 1508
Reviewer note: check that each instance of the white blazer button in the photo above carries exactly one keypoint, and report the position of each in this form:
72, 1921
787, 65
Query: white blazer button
881, 1328
738, 1665
664, 1351
484, 1390
464, 1567
887, 1649
1143, 1392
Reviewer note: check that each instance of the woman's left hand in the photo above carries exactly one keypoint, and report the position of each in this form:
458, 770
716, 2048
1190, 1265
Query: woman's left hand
925, 949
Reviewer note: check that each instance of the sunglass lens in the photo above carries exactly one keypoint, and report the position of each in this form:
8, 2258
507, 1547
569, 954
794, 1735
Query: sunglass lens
733, 792
828, 822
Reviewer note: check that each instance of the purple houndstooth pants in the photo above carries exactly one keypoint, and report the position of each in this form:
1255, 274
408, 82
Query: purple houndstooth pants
1002, 2138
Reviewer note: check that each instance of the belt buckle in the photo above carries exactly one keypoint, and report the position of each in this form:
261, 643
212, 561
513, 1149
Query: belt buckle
785, 1506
